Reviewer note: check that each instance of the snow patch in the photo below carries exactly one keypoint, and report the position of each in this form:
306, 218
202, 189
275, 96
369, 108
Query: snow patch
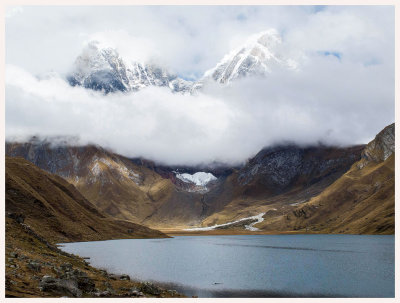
122, 170
250, 227
199, 178
259, 219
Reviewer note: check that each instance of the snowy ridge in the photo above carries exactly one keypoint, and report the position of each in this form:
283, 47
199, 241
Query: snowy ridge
255, 57
102, 68
250, 227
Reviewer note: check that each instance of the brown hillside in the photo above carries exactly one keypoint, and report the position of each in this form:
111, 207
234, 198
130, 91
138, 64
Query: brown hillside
362, 201
57, 211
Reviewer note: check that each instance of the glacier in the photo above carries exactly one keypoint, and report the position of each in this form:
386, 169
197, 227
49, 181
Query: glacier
199, 178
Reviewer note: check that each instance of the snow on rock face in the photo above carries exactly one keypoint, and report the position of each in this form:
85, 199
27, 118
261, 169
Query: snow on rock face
119, 169
102, 68
259, 218
255, 58
199, 178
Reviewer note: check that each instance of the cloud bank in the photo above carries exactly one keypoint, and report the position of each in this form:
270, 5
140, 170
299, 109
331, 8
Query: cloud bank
342, 93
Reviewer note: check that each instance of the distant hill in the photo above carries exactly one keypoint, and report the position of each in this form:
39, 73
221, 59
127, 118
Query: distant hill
159, 196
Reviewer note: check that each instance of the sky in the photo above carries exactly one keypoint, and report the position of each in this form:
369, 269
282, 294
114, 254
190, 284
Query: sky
342, 92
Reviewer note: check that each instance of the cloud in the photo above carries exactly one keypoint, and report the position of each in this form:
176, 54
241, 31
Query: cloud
192, 39
13, 10
342, 92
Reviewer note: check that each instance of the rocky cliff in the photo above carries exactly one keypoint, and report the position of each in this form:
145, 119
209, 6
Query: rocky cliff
360, 201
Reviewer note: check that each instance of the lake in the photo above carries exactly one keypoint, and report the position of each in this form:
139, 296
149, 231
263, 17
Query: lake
253, 265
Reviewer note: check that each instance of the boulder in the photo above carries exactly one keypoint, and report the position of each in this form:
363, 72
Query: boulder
125, 277
150, 288
62, 287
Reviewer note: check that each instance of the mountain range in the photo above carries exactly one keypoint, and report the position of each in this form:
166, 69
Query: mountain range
279, 182
283, 188
102, 68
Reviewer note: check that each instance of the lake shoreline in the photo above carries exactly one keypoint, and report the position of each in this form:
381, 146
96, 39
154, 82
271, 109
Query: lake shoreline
223, 232
255, 265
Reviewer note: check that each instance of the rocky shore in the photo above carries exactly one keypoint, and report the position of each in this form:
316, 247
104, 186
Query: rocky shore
37, 268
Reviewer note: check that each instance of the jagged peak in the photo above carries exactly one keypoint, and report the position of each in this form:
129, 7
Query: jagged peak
255, 57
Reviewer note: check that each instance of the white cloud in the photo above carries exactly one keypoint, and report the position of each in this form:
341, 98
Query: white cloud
13, 10
339, 99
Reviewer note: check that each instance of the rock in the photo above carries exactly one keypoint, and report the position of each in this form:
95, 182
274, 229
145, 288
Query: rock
112, 277
61, 287
84, 283
13, 254
135, 292
34, 266
20, 218
150, 288
381, 148
105, 293
104, 273
125, 277
172, 292
66, 266
277, 168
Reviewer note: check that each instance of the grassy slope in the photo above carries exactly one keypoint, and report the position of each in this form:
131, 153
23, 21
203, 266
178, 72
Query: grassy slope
57, 211
121, 197
361, 201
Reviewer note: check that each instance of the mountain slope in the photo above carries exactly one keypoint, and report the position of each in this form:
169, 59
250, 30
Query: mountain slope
144, 192
57, 211
279, 178
113, 183
361, 201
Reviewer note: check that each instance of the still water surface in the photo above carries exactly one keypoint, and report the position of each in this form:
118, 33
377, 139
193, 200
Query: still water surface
254, 266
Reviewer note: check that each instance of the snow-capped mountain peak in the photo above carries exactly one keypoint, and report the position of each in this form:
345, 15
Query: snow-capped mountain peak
100, 67
256, 57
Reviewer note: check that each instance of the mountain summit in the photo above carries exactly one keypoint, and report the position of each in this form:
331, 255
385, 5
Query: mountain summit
102, 68
257, 57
